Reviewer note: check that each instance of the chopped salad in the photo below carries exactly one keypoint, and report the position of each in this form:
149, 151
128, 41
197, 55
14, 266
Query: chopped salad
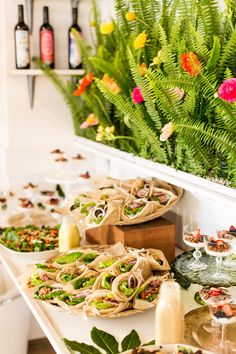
30, 238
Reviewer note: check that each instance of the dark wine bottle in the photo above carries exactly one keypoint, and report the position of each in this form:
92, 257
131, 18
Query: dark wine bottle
22, 52
46, 40
74, 56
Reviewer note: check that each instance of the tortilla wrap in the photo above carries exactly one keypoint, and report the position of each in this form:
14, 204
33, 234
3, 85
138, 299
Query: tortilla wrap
67, 274
104, 213
98, 301
148, 293
156, 259
124, 287
162, 196
67, 301
104, 281
138, 208
85, 281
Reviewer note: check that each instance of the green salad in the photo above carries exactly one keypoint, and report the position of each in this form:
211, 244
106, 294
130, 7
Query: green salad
30, 238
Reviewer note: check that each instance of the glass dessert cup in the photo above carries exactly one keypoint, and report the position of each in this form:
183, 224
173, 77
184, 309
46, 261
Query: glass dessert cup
26, 206
229, 236
224, 315
211, 295
218, 248
193, 238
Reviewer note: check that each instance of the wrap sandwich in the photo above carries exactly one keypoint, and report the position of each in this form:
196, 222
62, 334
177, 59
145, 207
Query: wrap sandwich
124, 287
67, 274
138, 208
142, 188
104, 212
162, 196
85, 281
104, 281
104, 302
147, 295
156, 259
66, 259
49, 293
125, 264
105, 263
73, 301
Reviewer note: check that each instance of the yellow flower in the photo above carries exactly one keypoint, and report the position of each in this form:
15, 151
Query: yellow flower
110, 130
99, 137
110, 84
140, 40
167, 131
100, 129
130, 16
107, 27
158, 59
92, 23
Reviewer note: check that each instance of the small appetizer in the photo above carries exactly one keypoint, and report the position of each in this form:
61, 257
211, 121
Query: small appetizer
147, 295
216, 247
224, 314
78, 157
26, 203
61, 159
194, 237
30, 185
209, 292
85, 175
57, 151
48, 193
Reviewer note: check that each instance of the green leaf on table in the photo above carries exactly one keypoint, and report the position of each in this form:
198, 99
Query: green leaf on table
69, 258
105, 341
60, 191
149, 343
198, 299
130, 341
82, 348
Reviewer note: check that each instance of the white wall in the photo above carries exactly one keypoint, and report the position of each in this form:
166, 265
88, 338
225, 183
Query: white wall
24, 133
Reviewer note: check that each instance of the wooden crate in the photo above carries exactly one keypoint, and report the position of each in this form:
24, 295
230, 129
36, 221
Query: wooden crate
159, 233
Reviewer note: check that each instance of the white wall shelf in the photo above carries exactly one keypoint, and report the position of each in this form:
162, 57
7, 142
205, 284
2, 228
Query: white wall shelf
39, 72
31, 75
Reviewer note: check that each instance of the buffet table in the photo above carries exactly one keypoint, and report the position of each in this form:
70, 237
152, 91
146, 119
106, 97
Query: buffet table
58, 324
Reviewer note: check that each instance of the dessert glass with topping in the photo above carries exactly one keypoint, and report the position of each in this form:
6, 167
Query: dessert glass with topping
210, 295
224, 314
218, 248
195, 239
26, 206
230, 236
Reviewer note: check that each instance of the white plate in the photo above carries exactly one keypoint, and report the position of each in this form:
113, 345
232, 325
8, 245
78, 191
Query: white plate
31, 257
169, 348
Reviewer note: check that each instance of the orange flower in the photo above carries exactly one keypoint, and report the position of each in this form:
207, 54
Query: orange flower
86, 81
142, 69
110, 84
191, 63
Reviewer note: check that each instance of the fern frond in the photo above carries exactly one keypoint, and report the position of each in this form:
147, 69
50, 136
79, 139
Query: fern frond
136, 115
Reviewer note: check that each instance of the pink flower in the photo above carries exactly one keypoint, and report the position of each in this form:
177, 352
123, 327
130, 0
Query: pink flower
167, 131
90, 121
137, 95
227, 90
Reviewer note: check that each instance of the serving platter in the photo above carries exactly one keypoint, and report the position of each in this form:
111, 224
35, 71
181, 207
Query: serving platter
169, 349
62, 281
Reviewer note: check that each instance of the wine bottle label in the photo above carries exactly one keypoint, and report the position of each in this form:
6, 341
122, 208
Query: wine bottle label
22, 48
74, 53
46, 39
